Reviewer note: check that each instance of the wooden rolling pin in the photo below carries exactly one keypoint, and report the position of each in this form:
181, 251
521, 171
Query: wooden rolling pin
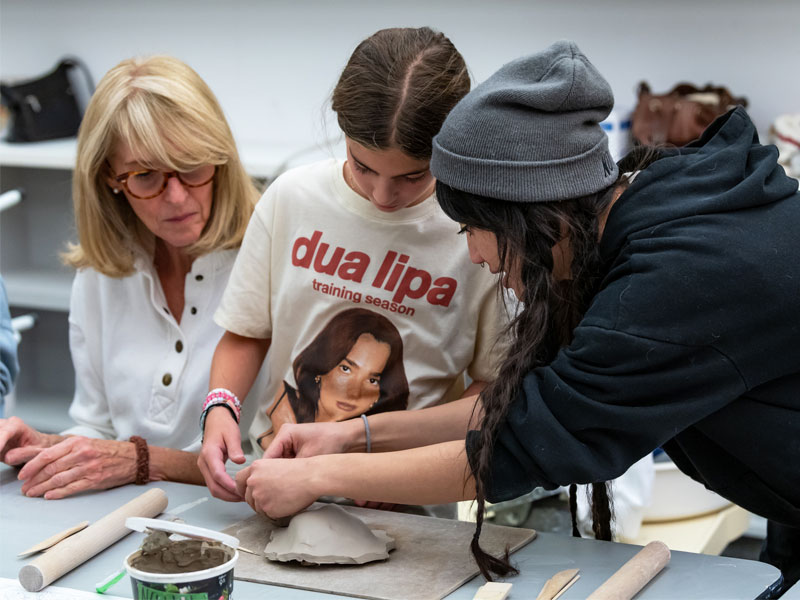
75, 550
634, 574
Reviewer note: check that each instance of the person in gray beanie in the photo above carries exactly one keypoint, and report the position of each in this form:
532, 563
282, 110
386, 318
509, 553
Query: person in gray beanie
531, 132
645, 295
658, 308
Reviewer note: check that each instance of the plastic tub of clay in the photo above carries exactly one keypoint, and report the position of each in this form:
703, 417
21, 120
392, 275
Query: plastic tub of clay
199, 547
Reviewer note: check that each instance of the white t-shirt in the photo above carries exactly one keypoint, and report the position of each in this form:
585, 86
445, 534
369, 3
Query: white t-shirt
137, 371
315, 249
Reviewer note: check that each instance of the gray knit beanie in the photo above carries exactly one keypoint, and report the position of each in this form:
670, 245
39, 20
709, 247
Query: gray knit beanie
530, 133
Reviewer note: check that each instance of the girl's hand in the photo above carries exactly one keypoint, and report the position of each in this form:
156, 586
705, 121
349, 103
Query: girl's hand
77, 464
312, 439
19, 442
222, 440
277, 487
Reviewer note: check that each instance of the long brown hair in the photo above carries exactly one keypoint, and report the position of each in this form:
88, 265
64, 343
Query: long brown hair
551, 309
328, 349
397, 89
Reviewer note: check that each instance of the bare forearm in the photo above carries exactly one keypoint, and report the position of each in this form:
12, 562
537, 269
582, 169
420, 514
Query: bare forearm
237, 360
168, 464
401, 430
429, 475
475, 388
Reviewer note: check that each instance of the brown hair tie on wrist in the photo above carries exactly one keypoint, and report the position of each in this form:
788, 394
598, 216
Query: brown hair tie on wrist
142, 459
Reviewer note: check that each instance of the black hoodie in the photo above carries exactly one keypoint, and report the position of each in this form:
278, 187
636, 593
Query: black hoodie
692, 342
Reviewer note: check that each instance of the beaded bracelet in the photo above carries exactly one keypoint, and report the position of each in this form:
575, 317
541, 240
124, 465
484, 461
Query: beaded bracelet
224, 394
219, 396
209, 406
142, 460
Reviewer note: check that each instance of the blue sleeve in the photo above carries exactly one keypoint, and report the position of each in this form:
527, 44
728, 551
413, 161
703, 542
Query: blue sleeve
603, 403
8, 345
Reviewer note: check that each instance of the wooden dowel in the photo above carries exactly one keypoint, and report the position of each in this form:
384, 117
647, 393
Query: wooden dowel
634, 574
53, 539
75, 550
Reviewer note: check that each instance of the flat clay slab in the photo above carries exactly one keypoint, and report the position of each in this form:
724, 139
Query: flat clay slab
328, 535
430, 561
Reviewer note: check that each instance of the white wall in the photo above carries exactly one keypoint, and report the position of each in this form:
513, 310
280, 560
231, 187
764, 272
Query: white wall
273, 64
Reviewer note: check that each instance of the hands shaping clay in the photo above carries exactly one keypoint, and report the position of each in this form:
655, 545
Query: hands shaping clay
329, 535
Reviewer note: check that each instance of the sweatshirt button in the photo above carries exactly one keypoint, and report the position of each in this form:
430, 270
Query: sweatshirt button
199, 277
166, 379
194, 310
179, 346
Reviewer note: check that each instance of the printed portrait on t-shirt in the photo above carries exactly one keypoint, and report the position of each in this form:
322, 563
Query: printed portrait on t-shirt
354, 366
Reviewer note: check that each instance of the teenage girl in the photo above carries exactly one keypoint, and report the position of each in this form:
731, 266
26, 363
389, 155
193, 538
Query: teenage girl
365, 232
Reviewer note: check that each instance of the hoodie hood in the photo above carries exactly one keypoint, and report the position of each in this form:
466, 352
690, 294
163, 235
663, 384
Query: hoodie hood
727, 169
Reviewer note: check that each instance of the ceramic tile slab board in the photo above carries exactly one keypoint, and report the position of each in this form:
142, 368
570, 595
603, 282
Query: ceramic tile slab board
432, 557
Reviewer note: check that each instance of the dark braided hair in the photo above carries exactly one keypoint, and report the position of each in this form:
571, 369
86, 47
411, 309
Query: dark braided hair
551, 309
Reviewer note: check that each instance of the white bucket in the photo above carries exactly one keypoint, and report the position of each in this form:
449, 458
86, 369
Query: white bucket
206, 584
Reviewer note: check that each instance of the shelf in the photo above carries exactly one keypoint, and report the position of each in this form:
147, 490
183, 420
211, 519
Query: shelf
45, 290
55, 154
259, 159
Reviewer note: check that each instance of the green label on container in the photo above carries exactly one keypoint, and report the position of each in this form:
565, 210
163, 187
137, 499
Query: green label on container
147, 593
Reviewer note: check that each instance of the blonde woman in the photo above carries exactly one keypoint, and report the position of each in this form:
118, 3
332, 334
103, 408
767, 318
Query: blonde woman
161, 205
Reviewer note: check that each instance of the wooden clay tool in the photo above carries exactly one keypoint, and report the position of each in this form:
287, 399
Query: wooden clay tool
558, 584
80, 547
492, 591
566, 587
634, 574
53, 540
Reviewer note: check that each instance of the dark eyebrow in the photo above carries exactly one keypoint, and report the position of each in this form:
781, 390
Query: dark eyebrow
366, 166
358, 366
361, 163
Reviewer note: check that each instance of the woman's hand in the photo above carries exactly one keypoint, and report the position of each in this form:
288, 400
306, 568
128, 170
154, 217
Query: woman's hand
77, 464
277, 487
313, 439
221, 441
19, 442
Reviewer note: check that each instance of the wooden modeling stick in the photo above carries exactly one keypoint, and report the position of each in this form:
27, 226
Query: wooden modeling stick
557, 584
53, 540
634, 574
566, 587
80, 547
492, 590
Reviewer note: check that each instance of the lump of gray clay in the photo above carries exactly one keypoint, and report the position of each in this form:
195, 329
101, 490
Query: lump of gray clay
329, 535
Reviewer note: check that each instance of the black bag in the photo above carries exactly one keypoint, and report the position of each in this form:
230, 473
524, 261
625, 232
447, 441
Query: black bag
45, 108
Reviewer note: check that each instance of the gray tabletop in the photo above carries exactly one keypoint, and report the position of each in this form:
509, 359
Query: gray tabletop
792, 594
25, 521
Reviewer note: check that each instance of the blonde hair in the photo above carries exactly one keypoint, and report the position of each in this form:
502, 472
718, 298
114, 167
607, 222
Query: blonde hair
170, 119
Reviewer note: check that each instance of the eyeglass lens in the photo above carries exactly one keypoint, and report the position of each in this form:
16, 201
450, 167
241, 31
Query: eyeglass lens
151, 183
